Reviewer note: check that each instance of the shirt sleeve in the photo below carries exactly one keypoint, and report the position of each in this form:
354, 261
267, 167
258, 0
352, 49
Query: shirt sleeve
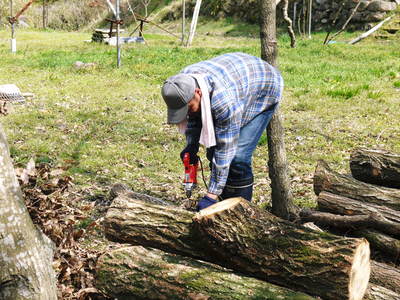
227, 129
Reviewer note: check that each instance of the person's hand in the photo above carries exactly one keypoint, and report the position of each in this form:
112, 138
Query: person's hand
192, 150
205, 202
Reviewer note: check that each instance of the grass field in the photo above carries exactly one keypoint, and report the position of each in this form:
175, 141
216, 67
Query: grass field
107, 125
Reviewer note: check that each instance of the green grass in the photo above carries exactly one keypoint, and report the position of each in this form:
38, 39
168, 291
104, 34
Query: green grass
108, 125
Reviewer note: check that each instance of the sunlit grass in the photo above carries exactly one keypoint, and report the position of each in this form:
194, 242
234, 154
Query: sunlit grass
107, 125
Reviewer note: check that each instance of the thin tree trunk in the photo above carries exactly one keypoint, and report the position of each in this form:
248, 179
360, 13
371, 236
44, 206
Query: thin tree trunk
328, 180
376, 167
240, 236
289, 24
345, 23
282, 198
140, 273
26, 254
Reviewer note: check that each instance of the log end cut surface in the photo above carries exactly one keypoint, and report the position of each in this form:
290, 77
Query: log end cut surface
360, 271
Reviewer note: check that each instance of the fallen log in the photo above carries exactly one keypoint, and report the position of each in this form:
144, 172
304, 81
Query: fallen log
376, 166
386, 276
360, 226
328, 180
140, 273
376, 292
381, 242
240, 236
345, 206
355, 222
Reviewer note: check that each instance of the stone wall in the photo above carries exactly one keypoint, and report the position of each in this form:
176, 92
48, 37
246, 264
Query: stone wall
368, 12
324, 11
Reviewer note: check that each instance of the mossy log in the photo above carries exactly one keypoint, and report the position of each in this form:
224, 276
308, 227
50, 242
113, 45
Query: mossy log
376, 166
345, 206
140, 273
386, 276
240, 236
328, 180
383, 243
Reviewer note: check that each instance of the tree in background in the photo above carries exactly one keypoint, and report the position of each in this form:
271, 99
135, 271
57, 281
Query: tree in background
26, 255
281, 195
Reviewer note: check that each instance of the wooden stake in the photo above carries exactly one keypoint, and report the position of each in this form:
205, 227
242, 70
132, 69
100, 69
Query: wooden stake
369, 32
118, 42
183, 21
194, 23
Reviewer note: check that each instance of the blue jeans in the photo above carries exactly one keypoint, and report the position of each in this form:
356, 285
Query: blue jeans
240, 179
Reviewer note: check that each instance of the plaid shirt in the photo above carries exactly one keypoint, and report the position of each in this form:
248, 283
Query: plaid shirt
241, 87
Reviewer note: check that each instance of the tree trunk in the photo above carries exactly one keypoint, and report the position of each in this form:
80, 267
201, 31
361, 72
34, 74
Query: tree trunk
345, 206
327, 180
140, 273
242, 237
376, 166
385, 276
26, 254
282, 198
289, 23
388, 246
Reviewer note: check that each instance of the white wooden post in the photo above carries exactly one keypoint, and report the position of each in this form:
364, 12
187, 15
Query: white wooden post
183, 21
193, 25
309, 17
118, 42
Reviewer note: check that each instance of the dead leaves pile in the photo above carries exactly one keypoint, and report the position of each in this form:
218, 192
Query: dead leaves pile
60, 215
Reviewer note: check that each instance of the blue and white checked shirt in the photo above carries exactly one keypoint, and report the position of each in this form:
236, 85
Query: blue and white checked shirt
241, 87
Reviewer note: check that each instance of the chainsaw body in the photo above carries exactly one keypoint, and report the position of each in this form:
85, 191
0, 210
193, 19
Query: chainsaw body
190, 177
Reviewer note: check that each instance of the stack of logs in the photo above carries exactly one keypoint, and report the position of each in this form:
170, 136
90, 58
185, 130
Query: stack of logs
231, 250
366, 204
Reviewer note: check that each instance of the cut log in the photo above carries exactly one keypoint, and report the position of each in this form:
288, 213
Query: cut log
240, 236
345, 206
373, 221
140, 273
259, 239
328, 180
386, 276
383, 243
376, 166
376, 292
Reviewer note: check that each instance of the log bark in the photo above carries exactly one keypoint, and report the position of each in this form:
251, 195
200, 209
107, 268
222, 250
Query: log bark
140, 273
373, 221
386, 276
387, 245
26, 254
376, 292
237, 235
376, 166
328, 180
345, 206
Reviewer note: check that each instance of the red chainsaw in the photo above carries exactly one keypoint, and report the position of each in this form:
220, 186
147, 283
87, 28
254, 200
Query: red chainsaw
190, 178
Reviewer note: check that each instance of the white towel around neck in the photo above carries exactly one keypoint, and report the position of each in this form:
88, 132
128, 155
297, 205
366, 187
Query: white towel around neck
207, 136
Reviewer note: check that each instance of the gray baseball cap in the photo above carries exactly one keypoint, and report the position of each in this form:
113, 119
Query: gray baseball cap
177, 91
